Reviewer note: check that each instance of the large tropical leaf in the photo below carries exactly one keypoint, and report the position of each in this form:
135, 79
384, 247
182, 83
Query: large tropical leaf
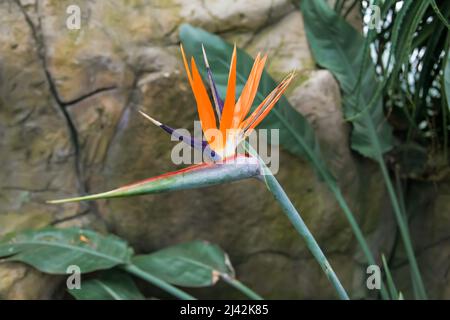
192, 264
339, 48
110, 285
296, 135
53, 250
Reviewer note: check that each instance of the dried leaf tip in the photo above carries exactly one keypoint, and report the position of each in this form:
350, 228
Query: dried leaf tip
205, 57
155, 122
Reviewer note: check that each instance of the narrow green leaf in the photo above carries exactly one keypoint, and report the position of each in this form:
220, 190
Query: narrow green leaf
433, 46
397, 37
439, 14
339, 48
110, 285
445, 96
192, 264
390, 280
447, 78
53, 250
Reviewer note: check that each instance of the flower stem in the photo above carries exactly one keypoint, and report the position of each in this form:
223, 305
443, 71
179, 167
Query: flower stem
298, 223
277, 191
241, 287
157, 282
404, 232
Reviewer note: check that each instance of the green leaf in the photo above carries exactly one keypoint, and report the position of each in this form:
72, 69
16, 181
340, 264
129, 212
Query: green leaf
390, 280
338, 47
296, 135
447, 78
439, 14
53, 250
110, 285
192, 264
399, 28
404, 33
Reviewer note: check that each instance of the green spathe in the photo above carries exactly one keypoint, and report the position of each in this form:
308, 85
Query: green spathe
196, 176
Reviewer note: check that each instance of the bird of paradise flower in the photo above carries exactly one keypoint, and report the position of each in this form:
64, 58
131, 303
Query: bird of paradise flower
224, 127
220, 146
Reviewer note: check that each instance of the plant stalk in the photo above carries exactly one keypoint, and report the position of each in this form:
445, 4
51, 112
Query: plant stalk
157, 282
358, 234
404, 232
400, 217
277, 191
298, 223
241, 287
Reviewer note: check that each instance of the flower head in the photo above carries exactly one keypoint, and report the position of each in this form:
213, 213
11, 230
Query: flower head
223, 126
229, 122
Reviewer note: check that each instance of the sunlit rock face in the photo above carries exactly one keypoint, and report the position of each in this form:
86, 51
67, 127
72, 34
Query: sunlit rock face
69, 124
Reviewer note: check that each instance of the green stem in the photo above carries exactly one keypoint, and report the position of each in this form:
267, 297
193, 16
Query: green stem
277, 191
298, 223
392, 288
439, 14
404, 232
399, 214
326, 176
338, 6
158, 282
357, 232
241, 287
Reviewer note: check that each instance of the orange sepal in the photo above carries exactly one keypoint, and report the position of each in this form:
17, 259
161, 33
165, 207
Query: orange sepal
230, 99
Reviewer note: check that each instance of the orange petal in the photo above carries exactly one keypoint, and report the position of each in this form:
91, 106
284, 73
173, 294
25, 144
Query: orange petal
266, 106
265, 102
230, 99
253, 87
186, 66
204, 106
243, 99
